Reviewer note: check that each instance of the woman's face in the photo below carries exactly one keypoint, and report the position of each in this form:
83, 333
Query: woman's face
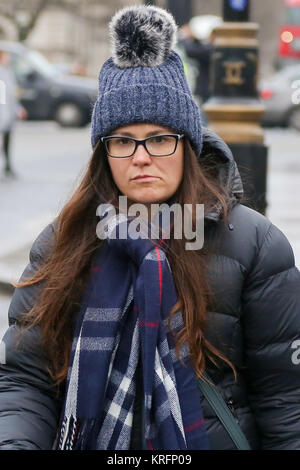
165, 172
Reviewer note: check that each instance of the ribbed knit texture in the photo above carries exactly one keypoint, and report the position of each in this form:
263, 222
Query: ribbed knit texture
158, 95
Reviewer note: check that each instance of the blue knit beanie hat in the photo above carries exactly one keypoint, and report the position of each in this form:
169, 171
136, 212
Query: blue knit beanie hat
144, 80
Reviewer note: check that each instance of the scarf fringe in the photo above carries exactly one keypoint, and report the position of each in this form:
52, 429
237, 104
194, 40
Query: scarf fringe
69, 430
78, 435
86, 437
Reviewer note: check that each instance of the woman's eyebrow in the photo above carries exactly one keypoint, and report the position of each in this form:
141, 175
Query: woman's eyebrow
129, 134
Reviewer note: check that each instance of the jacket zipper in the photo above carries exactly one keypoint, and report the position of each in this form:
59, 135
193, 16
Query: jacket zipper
232, 409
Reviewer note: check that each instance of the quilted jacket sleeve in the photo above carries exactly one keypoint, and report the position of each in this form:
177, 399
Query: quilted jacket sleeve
29, 403
271, 325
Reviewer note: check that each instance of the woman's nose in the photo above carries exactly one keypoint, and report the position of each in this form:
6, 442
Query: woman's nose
141, 156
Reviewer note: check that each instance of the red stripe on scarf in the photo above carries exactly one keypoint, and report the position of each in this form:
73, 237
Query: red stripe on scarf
147, 323
193, 426
159, 274
163, 238
150, 445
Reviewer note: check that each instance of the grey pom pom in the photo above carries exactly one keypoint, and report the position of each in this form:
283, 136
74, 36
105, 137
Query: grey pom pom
142, 36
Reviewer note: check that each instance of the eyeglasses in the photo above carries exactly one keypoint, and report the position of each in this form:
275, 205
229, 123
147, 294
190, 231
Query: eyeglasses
162, 145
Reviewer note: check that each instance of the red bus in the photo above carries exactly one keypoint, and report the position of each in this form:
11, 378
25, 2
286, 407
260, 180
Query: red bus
289, 34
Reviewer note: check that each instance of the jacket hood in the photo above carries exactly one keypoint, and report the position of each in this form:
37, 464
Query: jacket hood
226, 166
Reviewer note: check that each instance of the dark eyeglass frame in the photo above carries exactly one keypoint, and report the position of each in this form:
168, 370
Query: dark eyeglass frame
140, 142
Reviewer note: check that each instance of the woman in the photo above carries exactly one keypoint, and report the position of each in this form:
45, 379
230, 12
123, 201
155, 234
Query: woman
108, 334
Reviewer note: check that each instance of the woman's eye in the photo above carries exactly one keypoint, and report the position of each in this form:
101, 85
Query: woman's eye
158, 139
123, 141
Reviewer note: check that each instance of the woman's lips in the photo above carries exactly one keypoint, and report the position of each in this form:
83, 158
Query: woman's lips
145, 178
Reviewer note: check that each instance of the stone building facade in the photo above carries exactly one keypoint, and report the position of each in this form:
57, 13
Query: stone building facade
80, 34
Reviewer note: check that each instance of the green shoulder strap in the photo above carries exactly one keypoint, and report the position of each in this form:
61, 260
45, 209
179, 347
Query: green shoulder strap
217, 402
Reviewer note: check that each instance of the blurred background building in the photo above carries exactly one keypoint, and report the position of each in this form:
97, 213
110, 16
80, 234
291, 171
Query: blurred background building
67, 32
75, 31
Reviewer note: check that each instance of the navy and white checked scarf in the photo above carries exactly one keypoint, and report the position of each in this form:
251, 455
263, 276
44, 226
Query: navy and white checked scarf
125, 308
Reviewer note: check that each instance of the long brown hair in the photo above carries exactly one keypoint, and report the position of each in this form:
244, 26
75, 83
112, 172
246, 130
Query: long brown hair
65, 271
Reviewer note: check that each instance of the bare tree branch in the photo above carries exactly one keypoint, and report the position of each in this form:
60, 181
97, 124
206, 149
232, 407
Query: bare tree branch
25, 30
33, 9
96, 12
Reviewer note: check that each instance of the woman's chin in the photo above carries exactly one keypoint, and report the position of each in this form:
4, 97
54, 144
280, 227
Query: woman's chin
149, 199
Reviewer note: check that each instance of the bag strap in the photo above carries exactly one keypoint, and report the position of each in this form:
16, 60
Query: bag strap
217, 402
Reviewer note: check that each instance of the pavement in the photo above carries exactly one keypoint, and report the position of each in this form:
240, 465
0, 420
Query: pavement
283, 188
49, 162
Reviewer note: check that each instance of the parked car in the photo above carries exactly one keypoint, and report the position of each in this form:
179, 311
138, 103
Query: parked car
281, 96
46, 92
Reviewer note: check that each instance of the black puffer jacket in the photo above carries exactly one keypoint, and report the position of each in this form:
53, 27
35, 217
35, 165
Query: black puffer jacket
255, 322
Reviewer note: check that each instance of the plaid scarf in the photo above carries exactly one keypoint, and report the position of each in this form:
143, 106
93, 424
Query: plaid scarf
125, 307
